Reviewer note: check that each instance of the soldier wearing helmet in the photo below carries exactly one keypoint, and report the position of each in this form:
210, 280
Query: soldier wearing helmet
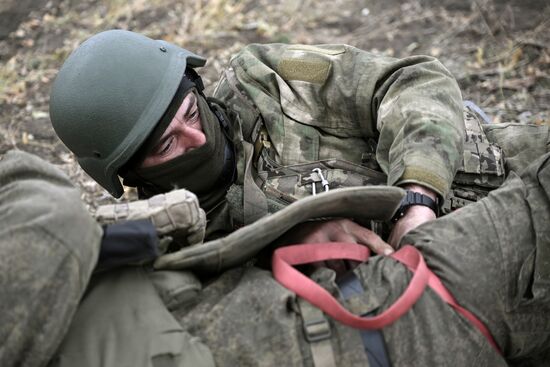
118, 92
263, 139
284, 119
55, 313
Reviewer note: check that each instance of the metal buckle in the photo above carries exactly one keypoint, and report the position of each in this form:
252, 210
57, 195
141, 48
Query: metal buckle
316, 330
324, 182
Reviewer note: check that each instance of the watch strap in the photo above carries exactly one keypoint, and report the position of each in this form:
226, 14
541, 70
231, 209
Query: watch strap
414, 198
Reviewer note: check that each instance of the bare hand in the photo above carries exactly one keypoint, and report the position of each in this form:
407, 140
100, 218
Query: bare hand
415, 216
336, 230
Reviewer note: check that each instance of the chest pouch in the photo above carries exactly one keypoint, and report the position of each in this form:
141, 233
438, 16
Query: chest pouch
482, 167
288, 183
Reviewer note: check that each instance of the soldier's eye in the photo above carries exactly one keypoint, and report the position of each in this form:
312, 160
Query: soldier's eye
192, 115
165, 146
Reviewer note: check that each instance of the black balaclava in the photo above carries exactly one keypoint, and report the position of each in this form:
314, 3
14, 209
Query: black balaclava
207, 171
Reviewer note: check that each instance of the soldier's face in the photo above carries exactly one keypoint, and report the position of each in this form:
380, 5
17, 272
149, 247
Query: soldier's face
183, 134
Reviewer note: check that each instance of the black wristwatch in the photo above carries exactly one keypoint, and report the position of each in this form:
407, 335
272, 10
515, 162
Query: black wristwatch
414, 198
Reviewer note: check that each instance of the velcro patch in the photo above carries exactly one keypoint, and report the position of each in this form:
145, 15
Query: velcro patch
312, 70
419, 174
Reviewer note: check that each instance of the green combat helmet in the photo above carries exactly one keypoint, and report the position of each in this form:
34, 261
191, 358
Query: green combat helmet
109, 95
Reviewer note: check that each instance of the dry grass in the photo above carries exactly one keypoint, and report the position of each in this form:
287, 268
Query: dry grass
499, 53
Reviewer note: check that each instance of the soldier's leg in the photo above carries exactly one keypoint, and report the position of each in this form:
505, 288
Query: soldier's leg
122, 321
48, 248
521, 144
494, 257
248, 319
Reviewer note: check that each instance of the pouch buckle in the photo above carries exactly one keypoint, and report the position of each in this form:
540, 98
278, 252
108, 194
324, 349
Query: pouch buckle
324, 182
317, 329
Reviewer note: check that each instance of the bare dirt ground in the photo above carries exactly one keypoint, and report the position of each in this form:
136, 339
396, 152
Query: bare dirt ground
498, 50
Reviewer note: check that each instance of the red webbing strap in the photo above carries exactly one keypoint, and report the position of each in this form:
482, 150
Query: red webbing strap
284, 273
306, 288
437, 286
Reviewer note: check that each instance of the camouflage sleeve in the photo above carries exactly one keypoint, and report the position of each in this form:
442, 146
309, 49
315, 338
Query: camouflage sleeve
412, 106
48, 248
418, 110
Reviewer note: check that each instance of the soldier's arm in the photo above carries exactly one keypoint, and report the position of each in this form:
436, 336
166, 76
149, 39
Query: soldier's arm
417, 107
414, 216
418, 112
49, 245
411, 106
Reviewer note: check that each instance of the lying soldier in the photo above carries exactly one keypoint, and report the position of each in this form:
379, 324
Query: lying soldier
492, 256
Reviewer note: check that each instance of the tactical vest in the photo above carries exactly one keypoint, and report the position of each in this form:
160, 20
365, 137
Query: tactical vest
268, 186
482, 168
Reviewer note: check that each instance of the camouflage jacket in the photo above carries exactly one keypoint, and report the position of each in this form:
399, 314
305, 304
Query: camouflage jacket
341, 107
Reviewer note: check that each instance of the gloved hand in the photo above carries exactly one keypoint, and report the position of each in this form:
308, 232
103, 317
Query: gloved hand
176, 214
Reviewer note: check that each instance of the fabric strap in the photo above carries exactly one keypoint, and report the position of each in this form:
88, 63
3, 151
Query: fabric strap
255, 204
373, 340
317, 333
284, 273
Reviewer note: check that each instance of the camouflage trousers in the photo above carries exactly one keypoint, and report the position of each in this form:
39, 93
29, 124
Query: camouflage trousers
493, 256
520, 143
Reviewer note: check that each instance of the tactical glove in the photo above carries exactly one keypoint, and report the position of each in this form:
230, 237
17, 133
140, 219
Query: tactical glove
176, 214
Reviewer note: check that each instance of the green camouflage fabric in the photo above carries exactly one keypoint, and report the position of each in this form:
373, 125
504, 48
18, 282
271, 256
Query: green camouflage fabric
293, 182
491, 151
300, 108
327, 102
520, 143
493, 256
124, 320
49, 244
364, 205
482, 167
483, 163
